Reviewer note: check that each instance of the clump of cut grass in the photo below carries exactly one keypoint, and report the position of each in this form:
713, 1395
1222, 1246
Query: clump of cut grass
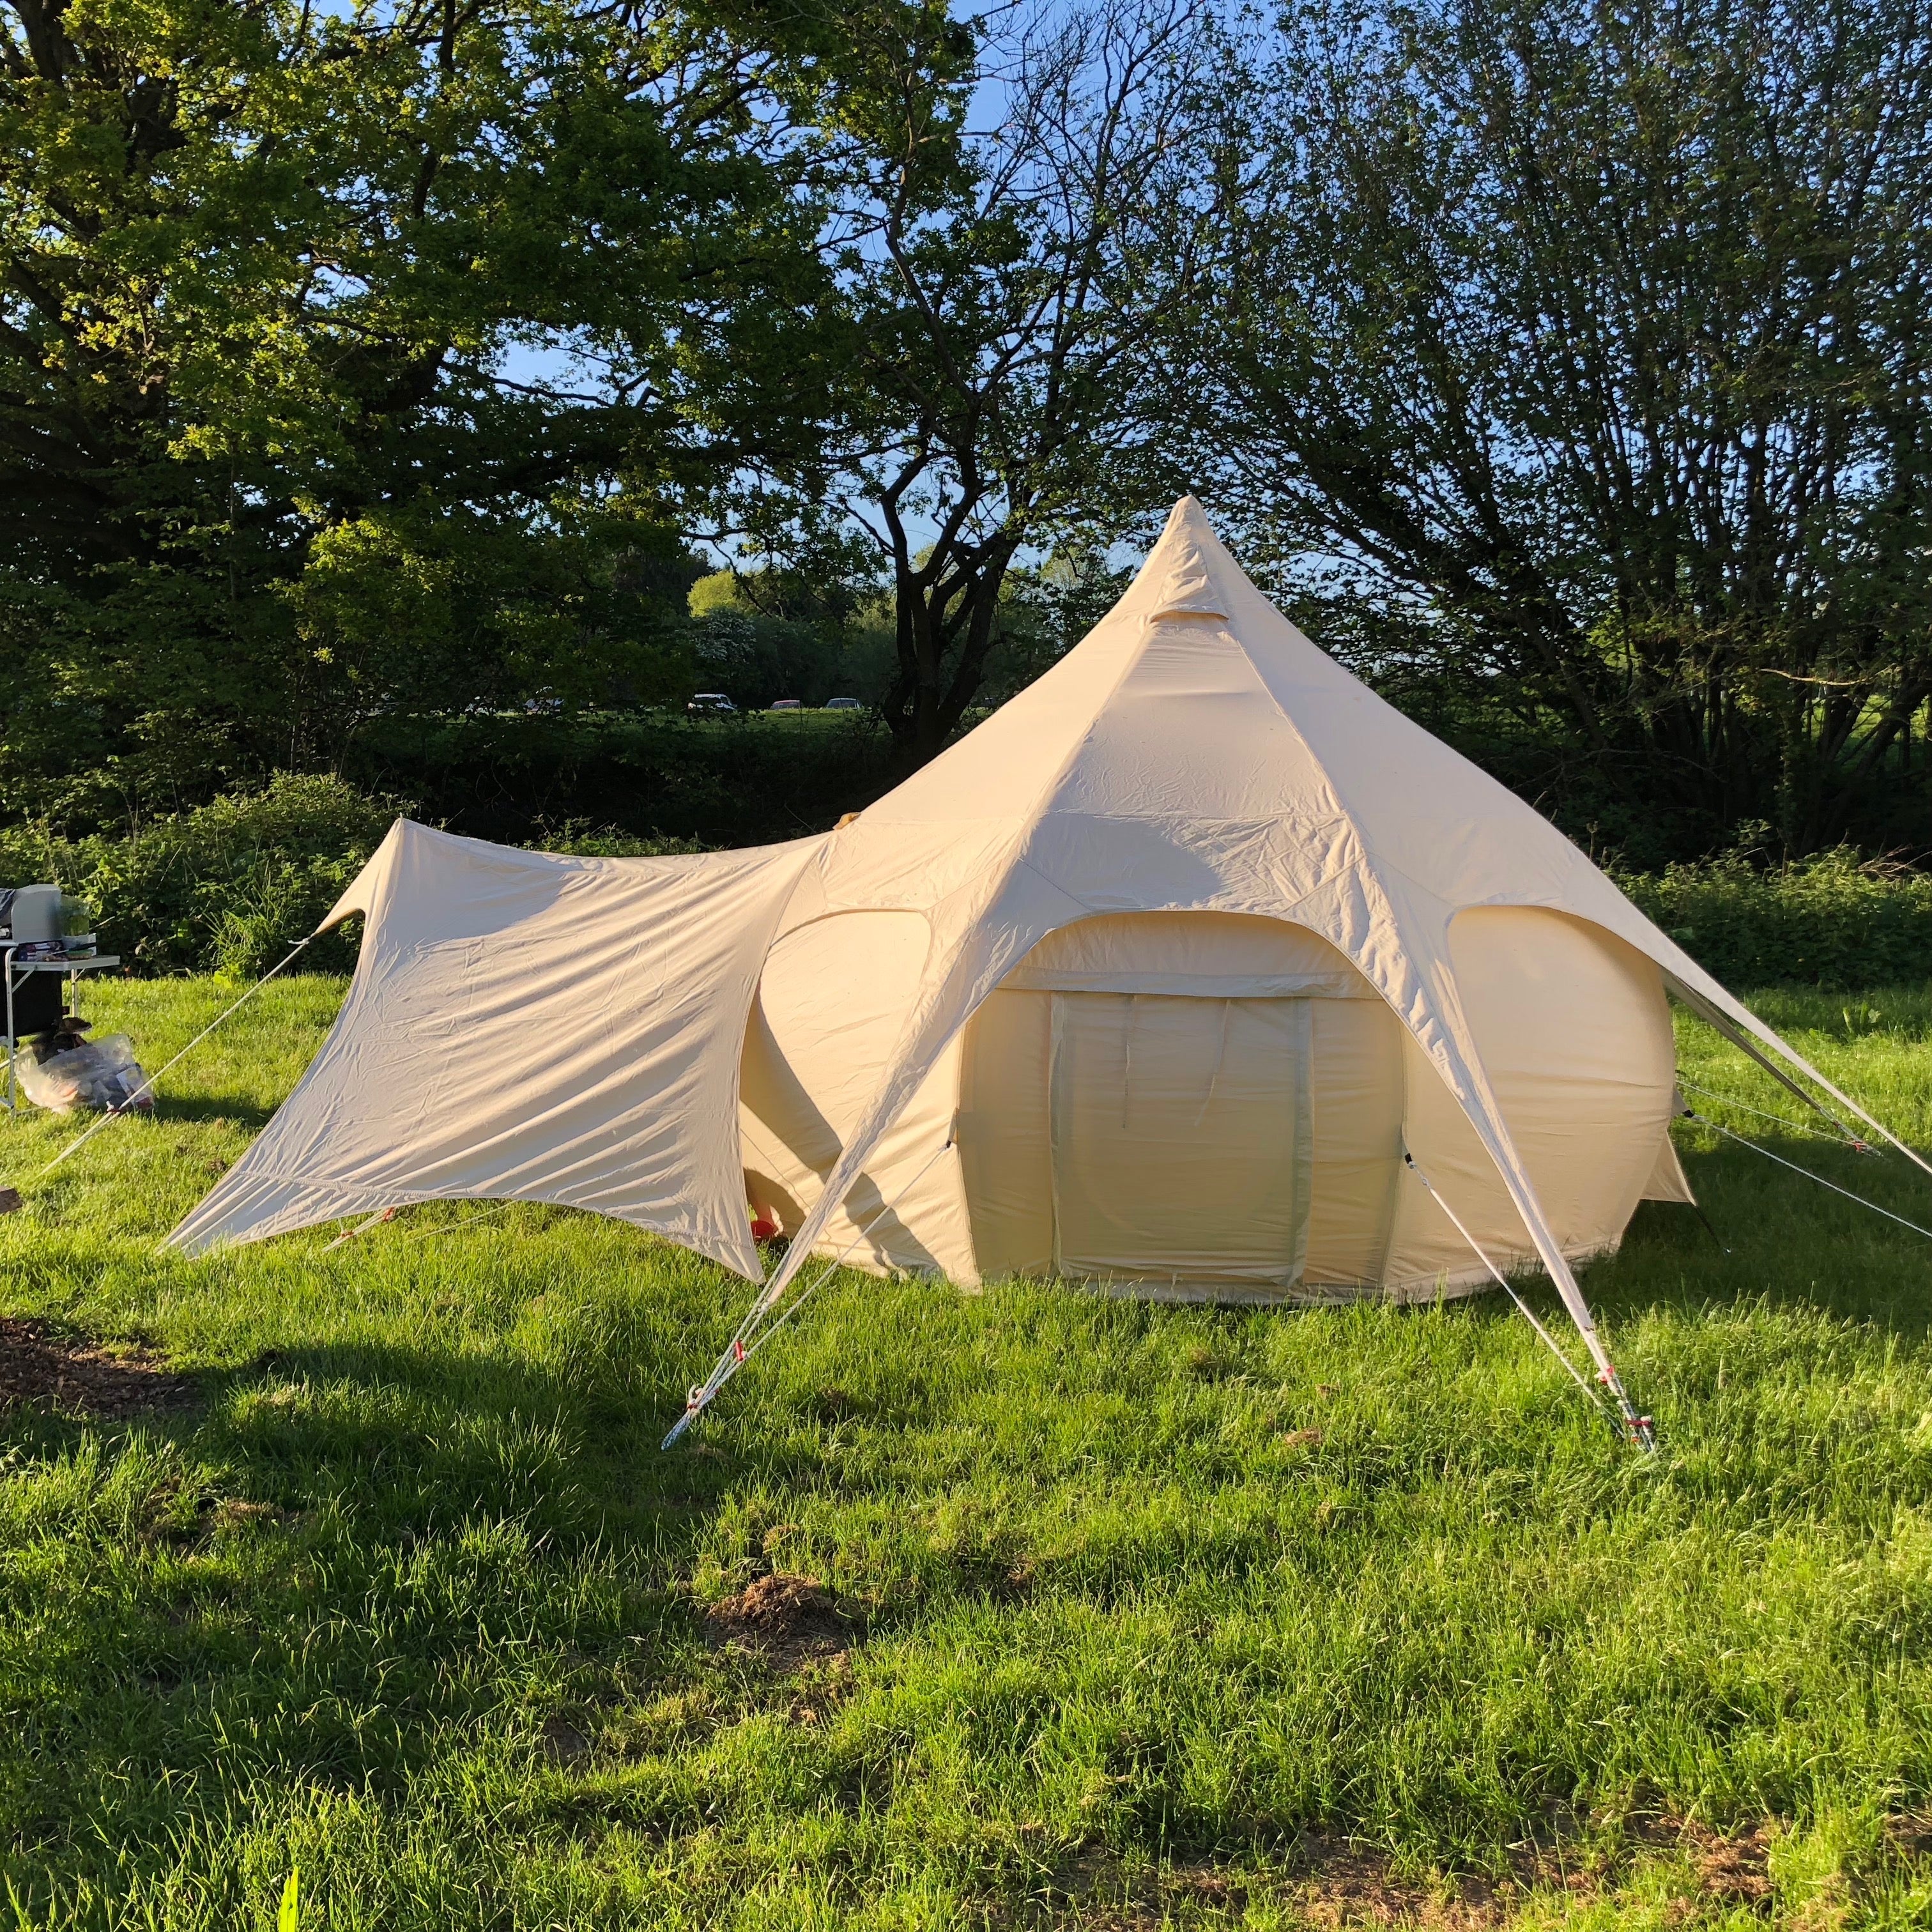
1120, 1614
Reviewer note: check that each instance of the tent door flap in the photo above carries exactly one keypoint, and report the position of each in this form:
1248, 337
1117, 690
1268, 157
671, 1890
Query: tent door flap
1181, 1138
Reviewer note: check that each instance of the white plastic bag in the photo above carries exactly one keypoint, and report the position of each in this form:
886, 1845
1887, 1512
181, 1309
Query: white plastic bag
101, 1073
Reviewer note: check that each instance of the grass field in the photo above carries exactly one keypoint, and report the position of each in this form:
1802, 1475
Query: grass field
1133, 1615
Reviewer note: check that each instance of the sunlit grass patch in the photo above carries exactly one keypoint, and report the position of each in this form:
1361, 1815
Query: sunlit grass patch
1125, 1614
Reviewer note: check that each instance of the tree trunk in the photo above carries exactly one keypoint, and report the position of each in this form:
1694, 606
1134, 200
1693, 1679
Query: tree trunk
947, 623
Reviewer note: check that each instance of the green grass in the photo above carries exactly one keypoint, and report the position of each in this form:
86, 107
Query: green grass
1135, 1647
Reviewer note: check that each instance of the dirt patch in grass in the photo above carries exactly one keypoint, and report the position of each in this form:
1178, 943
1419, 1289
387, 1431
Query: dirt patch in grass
1104, 1898
41, 1365
819, 1686
833, 1404
786, 1618
1333, 1884
563, 1744
1338, 1883
1736, 1870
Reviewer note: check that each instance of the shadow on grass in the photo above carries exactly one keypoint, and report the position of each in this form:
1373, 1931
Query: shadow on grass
350, 1562
342, 1563
251, 1113
377, 1425
1777, 1237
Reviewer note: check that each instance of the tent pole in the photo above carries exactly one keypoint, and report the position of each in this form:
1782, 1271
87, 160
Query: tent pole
1637, 1427
1715, 1017
741, 1347
1710, 1227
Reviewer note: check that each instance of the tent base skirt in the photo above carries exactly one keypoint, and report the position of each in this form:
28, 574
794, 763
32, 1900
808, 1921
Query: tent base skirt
1249, 1294
1305, 1294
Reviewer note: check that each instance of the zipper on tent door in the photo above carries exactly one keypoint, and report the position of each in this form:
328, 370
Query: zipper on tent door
1301, 1177
1056, 1030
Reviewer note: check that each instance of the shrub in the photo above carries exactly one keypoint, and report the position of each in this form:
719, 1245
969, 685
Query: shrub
1833, 921
581, 840
229, 887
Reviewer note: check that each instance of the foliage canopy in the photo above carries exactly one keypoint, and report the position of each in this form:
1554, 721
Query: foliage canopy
267, 275
1589, 343
367, 374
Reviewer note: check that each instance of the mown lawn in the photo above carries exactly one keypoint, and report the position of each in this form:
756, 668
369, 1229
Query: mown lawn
1144, 1614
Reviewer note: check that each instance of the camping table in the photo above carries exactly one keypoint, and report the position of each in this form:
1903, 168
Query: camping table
16, 977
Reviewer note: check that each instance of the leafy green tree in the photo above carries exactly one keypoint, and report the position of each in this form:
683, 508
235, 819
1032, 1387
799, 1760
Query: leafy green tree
349, 358
1045, 609
1592, 342
993, 298
764, 635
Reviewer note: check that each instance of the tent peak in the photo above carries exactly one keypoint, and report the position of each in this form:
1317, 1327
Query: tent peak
1180, 571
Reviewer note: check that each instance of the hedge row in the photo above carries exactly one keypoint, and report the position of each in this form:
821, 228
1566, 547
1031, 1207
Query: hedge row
228, 887
1833, 922
753, 780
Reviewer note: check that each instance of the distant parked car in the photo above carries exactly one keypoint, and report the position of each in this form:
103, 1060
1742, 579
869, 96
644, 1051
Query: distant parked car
843, 704
710, 704
787, 704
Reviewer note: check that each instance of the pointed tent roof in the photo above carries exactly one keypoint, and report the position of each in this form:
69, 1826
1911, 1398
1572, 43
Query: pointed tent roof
1195, 752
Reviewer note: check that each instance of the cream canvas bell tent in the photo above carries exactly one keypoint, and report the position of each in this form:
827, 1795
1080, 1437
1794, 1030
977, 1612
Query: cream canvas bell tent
1196, 969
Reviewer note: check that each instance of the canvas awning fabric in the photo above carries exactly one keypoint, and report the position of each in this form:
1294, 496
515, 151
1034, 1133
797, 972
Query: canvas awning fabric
570, 1030
529, 1028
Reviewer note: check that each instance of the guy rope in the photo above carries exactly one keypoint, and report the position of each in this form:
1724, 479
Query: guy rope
1636, 1427
753, 1333
1685, 1112
147, 1086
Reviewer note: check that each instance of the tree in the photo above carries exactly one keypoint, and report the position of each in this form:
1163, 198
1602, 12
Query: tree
270, 463
1593, 341
991, 284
